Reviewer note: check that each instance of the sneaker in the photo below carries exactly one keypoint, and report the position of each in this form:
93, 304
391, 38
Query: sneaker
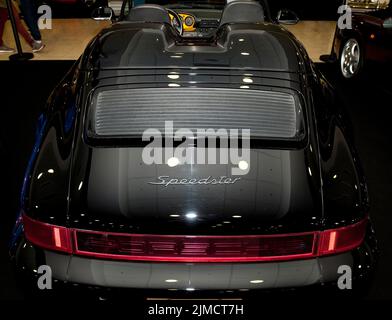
5, 49
38, 46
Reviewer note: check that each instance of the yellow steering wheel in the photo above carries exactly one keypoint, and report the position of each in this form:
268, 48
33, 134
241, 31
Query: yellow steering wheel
188, 21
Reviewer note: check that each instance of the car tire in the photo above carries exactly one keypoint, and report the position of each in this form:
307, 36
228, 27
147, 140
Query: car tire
351, 59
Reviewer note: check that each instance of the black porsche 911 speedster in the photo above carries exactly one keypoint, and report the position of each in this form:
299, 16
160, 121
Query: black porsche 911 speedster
110, 201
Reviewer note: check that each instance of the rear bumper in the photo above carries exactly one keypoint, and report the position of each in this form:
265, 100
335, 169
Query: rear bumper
152, 276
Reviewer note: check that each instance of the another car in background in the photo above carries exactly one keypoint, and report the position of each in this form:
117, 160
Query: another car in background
370, 39
77, 8
366, 5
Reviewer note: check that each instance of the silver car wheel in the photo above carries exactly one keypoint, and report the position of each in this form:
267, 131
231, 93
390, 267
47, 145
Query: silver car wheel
350, 59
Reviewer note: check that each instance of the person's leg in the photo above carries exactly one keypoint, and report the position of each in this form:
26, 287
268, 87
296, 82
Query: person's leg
29, 10
3, 19
21, 29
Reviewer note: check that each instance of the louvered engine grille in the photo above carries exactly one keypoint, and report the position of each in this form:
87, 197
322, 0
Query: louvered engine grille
129, 112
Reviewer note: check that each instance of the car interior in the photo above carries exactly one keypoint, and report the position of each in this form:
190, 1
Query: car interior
196, 21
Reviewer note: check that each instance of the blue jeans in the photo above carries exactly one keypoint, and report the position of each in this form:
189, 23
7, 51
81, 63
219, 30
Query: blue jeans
29, 11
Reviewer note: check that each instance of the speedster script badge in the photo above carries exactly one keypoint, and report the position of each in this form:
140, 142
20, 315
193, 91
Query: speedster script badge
166, 181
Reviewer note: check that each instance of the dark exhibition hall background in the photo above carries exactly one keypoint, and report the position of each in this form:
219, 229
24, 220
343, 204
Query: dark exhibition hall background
25, 86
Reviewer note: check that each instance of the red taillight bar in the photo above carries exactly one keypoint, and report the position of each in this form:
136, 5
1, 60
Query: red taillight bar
173, 248
342, 239
195, 248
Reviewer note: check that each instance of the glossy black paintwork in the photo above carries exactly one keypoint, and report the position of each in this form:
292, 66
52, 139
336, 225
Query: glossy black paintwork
264, 47
78, 183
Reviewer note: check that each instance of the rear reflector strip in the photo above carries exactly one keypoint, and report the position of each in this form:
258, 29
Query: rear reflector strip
195, 248
173, 248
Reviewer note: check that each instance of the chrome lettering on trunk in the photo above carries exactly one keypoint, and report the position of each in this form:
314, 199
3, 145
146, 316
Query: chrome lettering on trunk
166, 181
